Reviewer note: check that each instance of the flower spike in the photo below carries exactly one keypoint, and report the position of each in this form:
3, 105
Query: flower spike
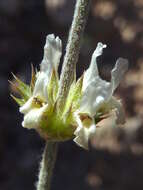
89, 100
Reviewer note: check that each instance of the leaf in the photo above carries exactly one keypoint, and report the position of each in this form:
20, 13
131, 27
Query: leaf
33, 78
23, 89
53, 86
77, 94
19, 101
74, 96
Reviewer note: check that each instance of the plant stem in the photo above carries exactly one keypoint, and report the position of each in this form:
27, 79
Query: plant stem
72, 49
47, 166
67, 77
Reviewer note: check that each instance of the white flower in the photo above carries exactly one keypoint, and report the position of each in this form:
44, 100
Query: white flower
39, 101
85, 130
97, 97
51, 59
89, 101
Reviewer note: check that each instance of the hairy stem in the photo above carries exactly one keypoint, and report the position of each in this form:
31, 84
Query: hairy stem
47, 166
67, 77
72, 49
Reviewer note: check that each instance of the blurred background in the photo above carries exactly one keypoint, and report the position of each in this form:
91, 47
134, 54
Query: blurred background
115, 160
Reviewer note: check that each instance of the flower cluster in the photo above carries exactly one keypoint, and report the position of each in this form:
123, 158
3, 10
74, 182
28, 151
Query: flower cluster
88, 102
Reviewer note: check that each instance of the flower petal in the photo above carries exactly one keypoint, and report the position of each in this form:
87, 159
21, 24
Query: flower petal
97, 91
92, 72
118, 72
117, 105
83, 134
95, 94
27, 106
52, 54
33, 118
40, 88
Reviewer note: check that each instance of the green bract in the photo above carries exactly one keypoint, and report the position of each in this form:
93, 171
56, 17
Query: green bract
89, 99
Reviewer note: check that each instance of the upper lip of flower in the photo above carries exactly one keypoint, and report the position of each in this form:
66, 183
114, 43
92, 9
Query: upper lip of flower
96, 90
51, 59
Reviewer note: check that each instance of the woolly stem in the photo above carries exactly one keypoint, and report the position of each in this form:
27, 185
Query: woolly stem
47, 166
72, 50
67, 77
